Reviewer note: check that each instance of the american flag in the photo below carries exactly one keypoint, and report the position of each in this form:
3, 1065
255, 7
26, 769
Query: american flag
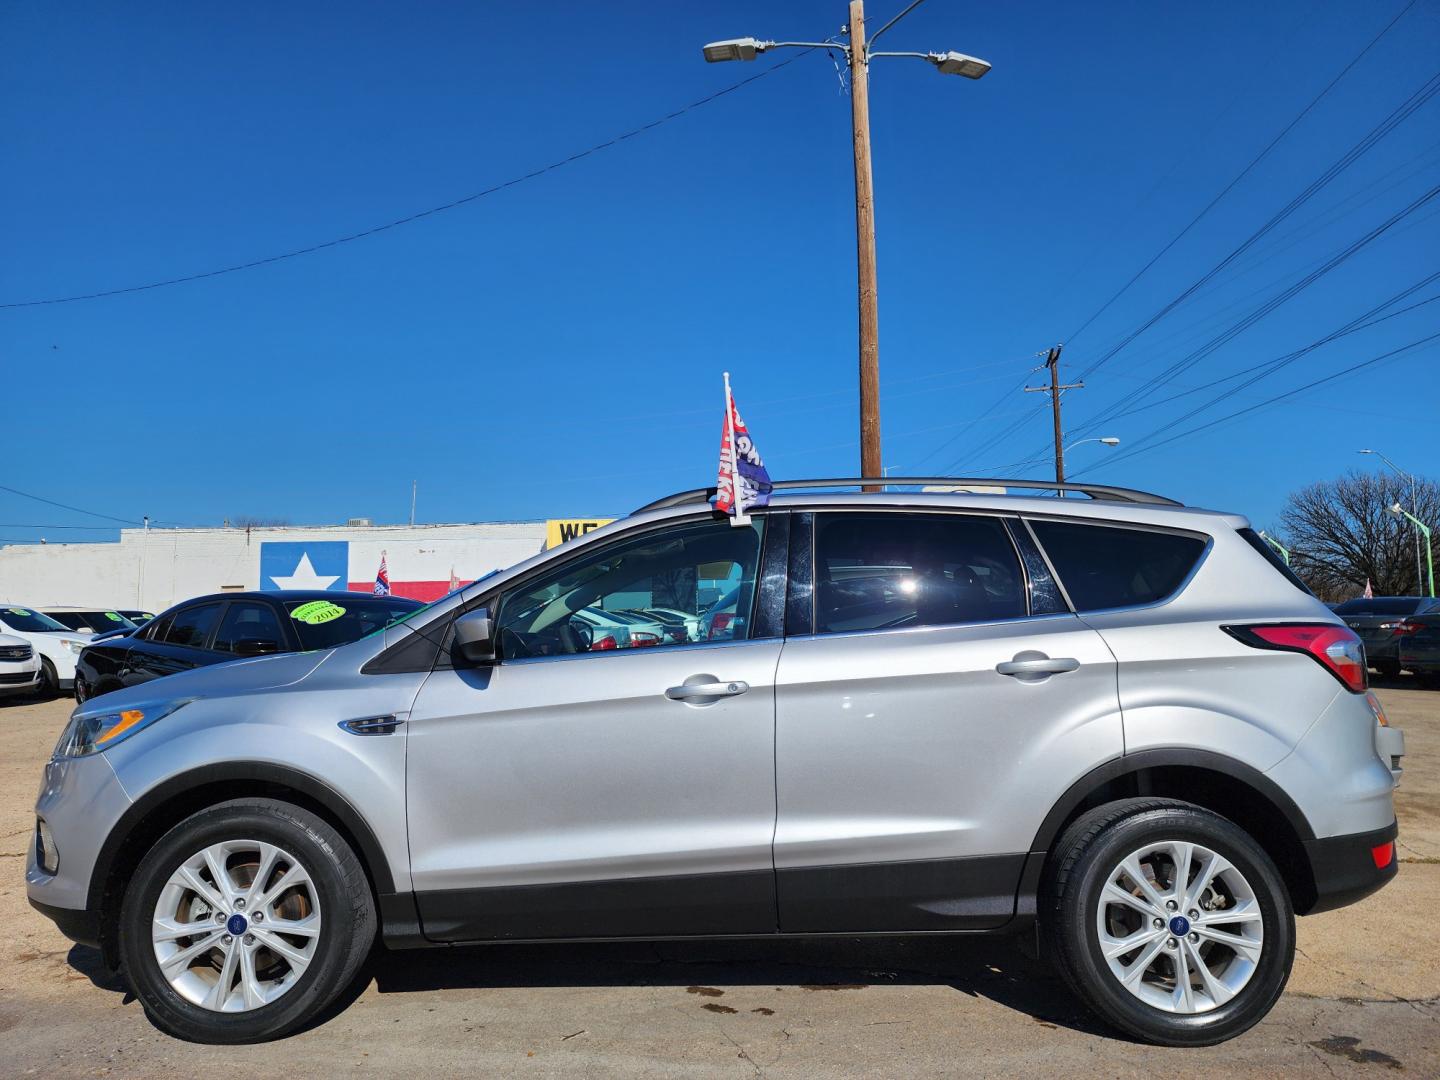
382, 578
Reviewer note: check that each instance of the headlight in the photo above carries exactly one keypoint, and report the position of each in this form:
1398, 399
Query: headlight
77, 647
93, 730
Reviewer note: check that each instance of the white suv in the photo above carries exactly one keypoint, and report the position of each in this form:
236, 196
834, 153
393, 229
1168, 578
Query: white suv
19, 669
56, 645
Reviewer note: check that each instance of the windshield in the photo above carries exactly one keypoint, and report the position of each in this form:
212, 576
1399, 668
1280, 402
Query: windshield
324, 624
1381, 605
19, 618
92, 622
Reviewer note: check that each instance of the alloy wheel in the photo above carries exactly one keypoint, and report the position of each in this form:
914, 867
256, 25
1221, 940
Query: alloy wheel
236, 925
1180, 927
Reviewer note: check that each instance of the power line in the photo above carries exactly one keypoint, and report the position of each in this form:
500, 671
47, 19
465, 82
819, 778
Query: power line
1243, 172
66, 506
1397, 116
411, 218
1392, 354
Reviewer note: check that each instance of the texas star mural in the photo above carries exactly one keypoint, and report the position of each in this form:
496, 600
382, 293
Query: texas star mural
340, 566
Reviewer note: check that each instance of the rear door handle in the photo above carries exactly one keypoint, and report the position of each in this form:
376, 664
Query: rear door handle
1031, 666
703, 689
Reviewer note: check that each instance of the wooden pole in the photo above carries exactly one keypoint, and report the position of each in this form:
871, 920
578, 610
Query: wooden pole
1053, 362
865, 249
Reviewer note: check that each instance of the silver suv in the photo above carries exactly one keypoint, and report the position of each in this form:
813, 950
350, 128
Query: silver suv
1111, 723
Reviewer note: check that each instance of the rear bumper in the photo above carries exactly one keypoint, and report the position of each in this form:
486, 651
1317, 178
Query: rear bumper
1349, 868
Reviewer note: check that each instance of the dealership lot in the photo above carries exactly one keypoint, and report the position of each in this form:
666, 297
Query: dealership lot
1364, 998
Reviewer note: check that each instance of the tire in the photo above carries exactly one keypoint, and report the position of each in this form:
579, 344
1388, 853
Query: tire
49, 681
1388, 668
269, 991
82, 691
1079, 916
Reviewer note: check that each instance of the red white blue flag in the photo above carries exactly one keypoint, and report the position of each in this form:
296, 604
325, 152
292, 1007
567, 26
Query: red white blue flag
382, 578
743, 481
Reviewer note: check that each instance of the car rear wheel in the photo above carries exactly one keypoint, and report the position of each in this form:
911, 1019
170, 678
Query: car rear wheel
245, 922
1169, 921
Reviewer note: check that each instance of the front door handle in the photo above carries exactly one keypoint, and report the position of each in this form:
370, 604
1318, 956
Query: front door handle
704, 689
1032, 666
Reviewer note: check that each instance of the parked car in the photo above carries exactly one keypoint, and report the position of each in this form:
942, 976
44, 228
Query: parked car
139, 618
1381, 621
213, 629
89, 620
19, 667
1116, 721
57, 646
676, 626
1420, 646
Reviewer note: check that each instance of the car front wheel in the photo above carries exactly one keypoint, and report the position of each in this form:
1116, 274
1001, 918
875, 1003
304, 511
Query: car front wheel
1169, 921
244, 922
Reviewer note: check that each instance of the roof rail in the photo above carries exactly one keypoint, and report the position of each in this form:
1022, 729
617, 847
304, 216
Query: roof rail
1094, 491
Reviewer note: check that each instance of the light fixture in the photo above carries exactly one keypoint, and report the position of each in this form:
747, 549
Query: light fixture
743, 48
954, 63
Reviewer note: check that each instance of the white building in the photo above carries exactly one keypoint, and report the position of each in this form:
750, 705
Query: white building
152, 569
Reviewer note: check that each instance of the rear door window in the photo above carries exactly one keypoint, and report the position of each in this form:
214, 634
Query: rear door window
1106, 566
190, 628
883, 571
249, 621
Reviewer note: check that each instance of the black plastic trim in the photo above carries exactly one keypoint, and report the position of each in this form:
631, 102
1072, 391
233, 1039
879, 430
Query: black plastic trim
768, 617
82, 927
799, 590
1344, 868
230, 771
977, 893
700, 905
1150, 759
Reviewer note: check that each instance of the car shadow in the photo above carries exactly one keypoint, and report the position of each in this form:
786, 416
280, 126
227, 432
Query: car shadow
1403, 681
990, 968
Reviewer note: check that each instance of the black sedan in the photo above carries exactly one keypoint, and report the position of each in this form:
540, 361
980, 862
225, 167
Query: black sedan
1420, 647
1381, 621
224, 626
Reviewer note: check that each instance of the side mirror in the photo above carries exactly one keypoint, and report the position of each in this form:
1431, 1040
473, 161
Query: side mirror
475, 636
256, 647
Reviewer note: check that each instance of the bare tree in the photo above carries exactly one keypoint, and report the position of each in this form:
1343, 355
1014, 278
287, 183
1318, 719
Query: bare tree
1341, 534
247, 522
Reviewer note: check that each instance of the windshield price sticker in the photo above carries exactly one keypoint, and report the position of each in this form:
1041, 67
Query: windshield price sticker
316, 612
113, 616
17, 611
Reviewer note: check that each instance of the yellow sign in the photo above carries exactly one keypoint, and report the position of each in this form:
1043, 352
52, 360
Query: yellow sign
558, 530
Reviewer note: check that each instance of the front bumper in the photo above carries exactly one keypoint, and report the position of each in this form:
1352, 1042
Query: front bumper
1349, 868
80, 926
80, 800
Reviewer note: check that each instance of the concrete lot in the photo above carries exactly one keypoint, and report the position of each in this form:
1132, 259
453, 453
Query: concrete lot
1364, 999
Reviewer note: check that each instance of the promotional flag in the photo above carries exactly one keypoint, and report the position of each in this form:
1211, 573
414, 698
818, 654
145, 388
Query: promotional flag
382, 578
743, 481
1369, 593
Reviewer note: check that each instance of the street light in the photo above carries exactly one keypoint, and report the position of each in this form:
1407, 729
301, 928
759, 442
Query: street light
1108, 440
1414, 504
858, 54
1281, 548
1400, 511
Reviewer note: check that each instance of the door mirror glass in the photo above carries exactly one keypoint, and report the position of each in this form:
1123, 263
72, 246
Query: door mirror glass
475, 636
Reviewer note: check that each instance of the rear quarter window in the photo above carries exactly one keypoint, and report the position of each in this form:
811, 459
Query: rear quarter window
1270, 555
1105, 566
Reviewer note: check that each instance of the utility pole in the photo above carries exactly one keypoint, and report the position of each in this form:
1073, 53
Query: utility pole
858, 54
1052, 361
865, 246
413, 485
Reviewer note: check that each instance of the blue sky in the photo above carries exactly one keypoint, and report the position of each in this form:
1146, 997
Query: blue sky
556, 349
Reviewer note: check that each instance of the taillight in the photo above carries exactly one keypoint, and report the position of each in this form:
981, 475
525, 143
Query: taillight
720, 623
603, 644
639, 638
1406, 627
1337, 648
